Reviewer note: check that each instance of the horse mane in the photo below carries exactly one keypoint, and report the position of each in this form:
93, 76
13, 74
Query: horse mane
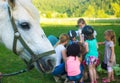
30, 8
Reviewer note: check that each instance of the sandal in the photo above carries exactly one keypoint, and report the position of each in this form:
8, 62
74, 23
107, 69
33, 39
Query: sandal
106, 81
95, 81
113, 79
104, 78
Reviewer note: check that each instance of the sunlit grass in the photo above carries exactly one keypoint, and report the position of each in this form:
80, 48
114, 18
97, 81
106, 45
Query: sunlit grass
10, 62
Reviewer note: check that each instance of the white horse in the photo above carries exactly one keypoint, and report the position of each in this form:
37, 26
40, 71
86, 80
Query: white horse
26, 19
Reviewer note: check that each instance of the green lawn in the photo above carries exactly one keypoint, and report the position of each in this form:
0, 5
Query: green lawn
10, 62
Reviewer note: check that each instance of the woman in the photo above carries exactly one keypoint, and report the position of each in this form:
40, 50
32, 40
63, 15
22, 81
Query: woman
60, 56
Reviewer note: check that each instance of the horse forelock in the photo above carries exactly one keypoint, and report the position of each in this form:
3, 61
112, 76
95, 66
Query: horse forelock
29, 7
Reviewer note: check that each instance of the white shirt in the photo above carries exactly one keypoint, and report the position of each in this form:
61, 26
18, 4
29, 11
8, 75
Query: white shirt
79, 32
58, 51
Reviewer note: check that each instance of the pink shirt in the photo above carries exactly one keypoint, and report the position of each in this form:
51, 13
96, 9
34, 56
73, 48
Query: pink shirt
73, 66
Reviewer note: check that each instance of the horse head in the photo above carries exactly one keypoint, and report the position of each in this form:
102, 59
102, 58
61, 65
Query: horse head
21, 32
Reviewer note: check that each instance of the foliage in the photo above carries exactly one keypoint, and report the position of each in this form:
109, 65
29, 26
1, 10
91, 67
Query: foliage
101, 14
78, 8
116, 8
90, 12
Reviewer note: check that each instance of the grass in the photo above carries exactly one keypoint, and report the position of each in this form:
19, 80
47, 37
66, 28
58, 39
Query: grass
10, 62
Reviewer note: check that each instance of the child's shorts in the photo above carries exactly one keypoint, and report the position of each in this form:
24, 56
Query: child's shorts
77, 77
91, 60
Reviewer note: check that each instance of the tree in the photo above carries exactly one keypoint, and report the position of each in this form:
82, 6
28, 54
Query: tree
78, 8
116, 8
90, 12
101, 14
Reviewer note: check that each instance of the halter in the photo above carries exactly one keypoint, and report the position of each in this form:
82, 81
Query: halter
17, 36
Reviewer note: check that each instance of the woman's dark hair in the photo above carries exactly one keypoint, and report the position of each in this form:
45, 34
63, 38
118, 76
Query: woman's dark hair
88, 32
73, 49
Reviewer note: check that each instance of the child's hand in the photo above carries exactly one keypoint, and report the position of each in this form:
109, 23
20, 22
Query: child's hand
111, 60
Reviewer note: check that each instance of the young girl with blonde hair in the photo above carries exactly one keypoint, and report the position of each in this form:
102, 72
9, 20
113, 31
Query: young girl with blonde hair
109, 54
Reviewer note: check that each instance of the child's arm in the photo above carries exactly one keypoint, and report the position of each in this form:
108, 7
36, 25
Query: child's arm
101, 43
86, 47
113, 54
81, 39
80, 59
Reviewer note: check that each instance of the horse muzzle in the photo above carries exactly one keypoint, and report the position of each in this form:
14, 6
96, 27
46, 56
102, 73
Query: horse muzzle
45, 64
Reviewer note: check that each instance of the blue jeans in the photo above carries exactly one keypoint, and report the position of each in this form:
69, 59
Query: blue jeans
59, 70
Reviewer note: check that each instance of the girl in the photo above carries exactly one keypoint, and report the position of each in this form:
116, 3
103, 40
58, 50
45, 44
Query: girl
81, 24
109, 55
72, 35
91, 56
60, 56
74, 71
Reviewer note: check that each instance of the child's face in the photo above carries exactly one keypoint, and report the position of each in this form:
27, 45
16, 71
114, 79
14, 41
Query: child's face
81, 25
74, 39
107, 37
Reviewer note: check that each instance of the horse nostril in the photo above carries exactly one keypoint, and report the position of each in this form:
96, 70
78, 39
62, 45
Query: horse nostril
49, 62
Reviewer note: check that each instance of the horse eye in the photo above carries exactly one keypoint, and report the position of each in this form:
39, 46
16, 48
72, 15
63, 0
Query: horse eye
25, 25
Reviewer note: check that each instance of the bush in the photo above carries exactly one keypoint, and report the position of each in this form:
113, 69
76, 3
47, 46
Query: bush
116, 8
50, 14
90, 12
102, 14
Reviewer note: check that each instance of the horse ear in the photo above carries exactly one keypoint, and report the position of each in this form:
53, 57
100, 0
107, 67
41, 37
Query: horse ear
11, 3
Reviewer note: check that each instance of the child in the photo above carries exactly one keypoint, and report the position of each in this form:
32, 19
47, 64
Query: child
60, 56
109, 55
81, 24
91, 56
72, 35
53, 40
74, 71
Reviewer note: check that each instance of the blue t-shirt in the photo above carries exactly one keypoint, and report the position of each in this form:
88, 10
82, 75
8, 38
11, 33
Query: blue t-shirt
72, 42
53, 40
92, 46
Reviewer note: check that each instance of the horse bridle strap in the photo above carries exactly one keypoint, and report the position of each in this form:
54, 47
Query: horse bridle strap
17, 36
